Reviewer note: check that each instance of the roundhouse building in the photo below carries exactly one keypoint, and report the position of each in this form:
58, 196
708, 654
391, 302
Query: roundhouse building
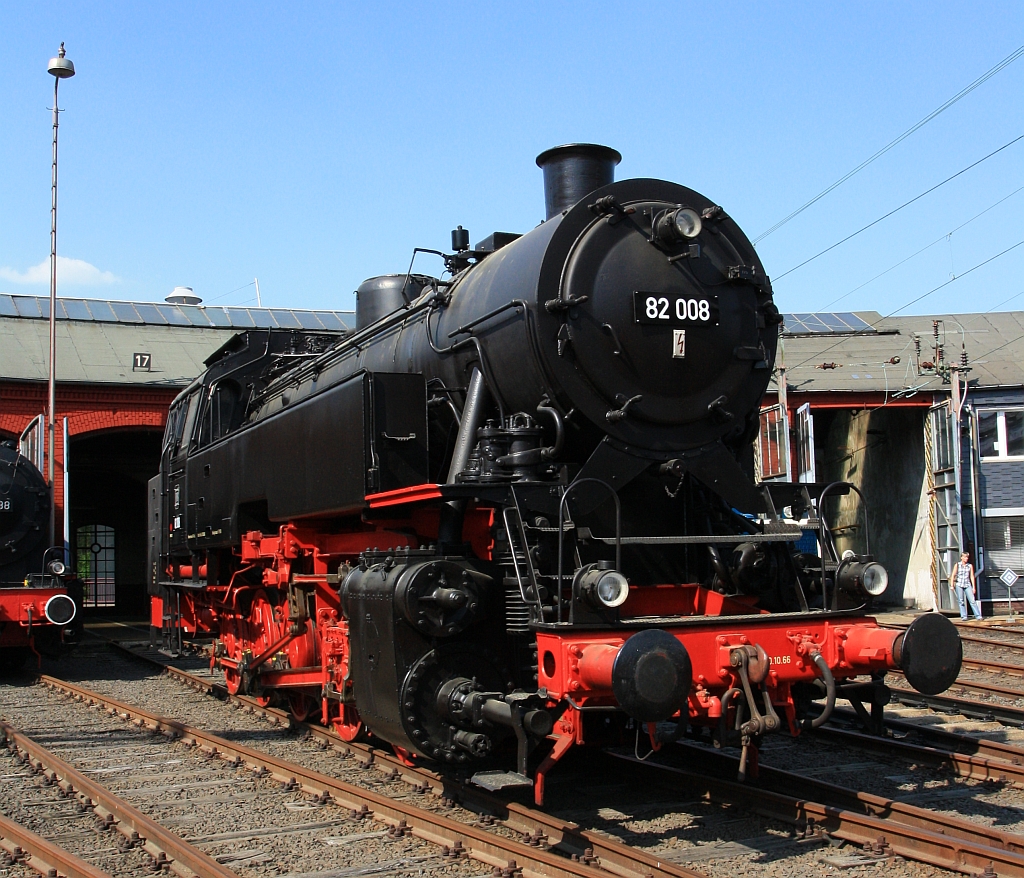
119, 365
879, 402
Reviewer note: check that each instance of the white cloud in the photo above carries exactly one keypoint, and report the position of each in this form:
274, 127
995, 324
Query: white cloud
69, 271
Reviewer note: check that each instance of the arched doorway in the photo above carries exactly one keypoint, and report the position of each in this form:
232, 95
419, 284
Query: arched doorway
108, 472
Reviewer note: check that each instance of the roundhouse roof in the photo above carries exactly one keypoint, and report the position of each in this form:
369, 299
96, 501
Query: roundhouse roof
98, 339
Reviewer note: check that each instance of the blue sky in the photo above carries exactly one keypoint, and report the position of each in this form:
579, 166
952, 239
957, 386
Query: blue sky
315, 145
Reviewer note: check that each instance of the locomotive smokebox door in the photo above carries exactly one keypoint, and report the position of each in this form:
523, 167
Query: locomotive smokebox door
398, 431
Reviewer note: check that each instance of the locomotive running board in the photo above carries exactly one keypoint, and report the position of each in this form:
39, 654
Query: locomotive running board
787, 535
500, 780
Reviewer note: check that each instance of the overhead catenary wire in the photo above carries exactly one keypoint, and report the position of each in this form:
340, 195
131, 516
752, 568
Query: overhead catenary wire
923, 249
229, 292
1009, 59
898, 209
906, 305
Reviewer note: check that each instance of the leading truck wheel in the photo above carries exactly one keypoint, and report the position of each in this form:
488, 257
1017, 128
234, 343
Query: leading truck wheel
931, 653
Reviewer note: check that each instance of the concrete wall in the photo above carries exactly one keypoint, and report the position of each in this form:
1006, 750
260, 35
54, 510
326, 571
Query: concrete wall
881, 451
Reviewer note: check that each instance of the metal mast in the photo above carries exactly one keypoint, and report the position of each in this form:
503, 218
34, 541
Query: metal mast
60, 68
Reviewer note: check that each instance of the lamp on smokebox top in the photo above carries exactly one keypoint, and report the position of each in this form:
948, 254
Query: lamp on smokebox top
60, 68
680, 224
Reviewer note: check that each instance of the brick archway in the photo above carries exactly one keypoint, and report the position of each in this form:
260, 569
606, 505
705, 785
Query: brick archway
90, 409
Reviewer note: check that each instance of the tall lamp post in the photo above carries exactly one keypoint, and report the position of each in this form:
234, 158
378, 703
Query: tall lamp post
60, 68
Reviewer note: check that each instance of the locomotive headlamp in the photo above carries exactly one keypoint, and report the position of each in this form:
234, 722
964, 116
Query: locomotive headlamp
602, 586
57, 568
680, 224
862, 577
687, 222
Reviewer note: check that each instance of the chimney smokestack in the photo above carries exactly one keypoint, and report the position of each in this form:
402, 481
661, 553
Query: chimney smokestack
573, 171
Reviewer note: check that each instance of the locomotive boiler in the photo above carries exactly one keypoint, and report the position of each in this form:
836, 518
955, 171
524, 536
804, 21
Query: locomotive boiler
38, 603
513, 510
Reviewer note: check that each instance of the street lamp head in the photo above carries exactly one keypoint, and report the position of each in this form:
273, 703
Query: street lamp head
60, 66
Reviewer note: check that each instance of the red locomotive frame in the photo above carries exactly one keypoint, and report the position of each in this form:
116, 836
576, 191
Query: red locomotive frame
278, 646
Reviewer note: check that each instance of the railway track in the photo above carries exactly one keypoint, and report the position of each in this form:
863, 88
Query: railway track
23, 848
161, 850
541, 846
881, 828
835, 812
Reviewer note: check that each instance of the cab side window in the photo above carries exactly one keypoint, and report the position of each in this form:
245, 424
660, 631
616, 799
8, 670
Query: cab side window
223, 412
227, 408
173, 422
188, 423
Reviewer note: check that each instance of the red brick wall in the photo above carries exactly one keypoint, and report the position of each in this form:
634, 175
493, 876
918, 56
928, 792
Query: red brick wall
89, 409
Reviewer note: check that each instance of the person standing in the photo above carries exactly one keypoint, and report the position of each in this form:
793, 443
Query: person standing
961, 577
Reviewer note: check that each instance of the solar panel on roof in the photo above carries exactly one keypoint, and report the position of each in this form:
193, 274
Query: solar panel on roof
149, 313
330, 320
194, 315
240, 317
825, 322
161, 314
172, 314
263, 319
218, 316
101, 311
285, 319
854, 321
29, 307
125, 312
76, 309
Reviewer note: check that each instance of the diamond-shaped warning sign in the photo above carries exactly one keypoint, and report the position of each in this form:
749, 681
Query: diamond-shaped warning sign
1008, 577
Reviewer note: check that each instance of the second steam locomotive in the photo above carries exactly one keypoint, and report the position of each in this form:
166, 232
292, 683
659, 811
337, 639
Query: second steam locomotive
513, 511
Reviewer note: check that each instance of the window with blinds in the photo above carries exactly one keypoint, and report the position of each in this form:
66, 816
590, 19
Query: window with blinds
1004, 544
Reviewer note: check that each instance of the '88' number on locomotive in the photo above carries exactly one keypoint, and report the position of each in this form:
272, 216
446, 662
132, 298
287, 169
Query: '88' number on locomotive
660, 309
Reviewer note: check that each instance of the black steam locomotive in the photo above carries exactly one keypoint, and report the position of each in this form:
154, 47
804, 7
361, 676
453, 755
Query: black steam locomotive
39, 599
520, 497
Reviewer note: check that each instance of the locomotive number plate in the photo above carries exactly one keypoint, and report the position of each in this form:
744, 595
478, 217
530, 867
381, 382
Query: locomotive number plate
660, 310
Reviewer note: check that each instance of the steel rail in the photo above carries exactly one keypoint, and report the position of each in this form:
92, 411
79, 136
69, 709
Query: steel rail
962, 764
970, 626
615, 856
1002, 629
161, 844
1000, 644
957, 742
935, 846
987, 689
799, 786
995, 667
984, 711
34, 851
971, 685
478, 843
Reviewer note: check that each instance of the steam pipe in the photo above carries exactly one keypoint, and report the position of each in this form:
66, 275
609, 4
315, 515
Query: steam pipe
472, 417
